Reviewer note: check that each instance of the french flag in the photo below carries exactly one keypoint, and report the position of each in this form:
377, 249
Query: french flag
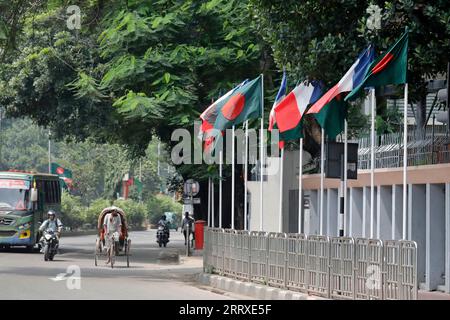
280, 96
353, 77
289, 112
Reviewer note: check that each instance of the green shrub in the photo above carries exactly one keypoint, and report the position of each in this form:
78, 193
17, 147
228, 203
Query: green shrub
72, 211
158, 204
135, 211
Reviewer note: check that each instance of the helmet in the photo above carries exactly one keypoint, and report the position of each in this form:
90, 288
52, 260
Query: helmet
51, 213
163, 217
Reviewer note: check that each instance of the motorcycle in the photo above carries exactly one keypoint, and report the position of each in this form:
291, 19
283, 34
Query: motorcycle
162, 236
50, 244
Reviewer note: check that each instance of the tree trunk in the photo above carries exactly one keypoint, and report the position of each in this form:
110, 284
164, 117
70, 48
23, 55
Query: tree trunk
421, 112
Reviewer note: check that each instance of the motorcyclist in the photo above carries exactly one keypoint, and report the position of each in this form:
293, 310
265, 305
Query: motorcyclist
52, 223
187, 221
165, 224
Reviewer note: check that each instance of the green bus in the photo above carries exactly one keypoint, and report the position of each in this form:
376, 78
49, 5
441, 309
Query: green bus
25, 197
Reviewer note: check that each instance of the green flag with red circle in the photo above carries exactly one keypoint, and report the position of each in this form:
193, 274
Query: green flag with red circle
389, 68
243, 104
64, 173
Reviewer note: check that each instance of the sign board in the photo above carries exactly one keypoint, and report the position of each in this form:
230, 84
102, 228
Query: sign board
14, 184
333, 164
194, 200
191, 187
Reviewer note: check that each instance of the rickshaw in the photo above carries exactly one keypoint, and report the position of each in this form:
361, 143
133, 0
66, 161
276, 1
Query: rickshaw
119, 248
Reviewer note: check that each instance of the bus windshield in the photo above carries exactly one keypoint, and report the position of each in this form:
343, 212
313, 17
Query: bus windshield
14, 195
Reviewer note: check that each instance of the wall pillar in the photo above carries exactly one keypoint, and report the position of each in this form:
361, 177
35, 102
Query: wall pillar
332, 213
416, 225
355, 205
384, 212
447, 237
397, 212
435, 236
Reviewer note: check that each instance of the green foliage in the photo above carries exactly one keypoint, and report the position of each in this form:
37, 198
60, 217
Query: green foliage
319, 40
92, 212
97, 169
159, 204
136, 69
72, 211
135, 212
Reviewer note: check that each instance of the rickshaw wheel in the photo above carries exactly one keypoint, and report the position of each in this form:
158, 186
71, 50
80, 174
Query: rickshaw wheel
96, 251
127, 251
112, 253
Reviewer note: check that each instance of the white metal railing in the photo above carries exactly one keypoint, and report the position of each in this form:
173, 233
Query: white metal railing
338, 268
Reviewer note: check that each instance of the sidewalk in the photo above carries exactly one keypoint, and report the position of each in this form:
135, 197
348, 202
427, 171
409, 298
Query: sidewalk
432, 295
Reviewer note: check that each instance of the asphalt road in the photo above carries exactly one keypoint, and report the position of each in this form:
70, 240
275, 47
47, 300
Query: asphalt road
72, 274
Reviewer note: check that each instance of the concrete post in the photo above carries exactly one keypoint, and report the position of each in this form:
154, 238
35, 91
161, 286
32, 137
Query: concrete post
397, 212
416, 222
384, 212
356, 212
435, 233
312, 219
447, 238
332, 213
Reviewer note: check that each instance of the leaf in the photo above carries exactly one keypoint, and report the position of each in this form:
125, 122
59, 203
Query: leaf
166, 77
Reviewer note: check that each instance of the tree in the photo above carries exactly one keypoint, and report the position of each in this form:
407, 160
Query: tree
318, 40
98, 169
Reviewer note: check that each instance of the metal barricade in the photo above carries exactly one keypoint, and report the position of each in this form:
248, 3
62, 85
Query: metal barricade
296, 262
258, 256
391, 270
276, 259
408, 270
206, 250
368, 269
318, 271
340, 268
227, 259
243, 256
342, 258
220, 251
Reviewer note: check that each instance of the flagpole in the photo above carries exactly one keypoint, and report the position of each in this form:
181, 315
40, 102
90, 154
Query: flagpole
245, 176
49, 152
322, 178
372, 164
343, 209
220, 190
300, 187
232, 178
405, 158
261, 222
280, 217
209, 202
213, 224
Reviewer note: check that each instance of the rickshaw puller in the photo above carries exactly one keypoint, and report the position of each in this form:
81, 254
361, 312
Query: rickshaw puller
113, 228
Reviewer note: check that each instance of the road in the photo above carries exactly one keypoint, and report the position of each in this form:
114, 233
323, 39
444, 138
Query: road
27, 276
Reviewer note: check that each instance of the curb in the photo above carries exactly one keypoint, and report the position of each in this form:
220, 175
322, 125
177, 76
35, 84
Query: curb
254, 290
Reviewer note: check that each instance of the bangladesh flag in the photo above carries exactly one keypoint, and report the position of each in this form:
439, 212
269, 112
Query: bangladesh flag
332, 116
64, 174
389, 68
243, 104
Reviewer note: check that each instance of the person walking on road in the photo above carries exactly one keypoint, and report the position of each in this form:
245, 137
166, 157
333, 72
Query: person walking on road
187, 221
